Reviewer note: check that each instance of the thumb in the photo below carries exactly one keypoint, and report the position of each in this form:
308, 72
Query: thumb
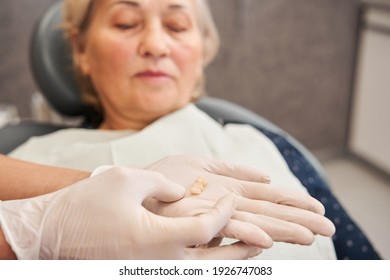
202, 228
156, 185
137, 184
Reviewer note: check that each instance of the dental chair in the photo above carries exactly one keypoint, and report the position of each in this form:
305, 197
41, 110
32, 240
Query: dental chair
51, 65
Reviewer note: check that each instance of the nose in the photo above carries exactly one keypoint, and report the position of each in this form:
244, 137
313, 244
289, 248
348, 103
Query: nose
154, 42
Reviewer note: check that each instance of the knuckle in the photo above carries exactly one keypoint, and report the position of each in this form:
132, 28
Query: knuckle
158, 176
120, 172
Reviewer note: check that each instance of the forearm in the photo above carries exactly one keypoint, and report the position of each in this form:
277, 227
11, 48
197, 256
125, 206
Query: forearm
6, 252
21, 179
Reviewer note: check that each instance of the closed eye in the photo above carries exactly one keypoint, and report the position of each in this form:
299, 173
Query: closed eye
124, 26
177, 29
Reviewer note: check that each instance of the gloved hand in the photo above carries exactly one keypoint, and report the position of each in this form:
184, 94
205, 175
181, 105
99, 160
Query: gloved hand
284, 215
103, 218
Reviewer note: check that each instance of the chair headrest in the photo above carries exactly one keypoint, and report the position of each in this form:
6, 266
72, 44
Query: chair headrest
51, 64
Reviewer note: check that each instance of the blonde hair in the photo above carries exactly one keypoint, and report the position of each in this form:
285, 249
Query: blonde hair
77, 17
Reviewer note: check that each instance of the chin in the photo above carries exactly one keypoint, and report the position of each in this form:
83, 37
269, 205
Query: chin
162, 106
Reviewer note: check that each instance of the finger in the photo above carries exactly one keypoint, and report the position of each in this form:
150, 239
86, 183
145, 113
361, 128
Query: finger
316, 223
239, 172
275, 194
148, 184
203, 228
247, 232
235, 251
168, 191
278, 230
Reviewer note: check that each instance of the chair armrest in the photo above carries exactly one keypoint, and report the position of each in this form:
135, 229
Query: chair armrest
14, 135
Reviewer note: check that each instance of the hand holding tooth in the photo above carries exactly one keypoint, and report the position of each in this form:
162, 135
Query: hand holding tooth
264, 213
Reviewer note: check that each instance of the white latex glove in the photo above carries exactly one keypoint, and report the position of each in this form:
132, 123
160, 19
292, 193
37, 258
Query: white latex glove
103, 218
284, 215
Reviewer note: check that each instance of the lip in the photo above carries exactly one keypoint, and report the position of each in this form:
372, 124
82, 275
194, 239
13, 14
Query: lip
152, 74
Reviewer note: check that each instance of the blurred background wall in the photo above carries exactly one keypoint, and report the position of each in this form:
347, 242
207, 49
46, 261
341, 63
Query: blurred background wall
290, 61
17, 19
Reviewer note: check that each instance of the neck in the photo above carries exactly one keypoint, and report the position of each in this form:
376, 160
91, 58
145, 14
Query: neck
124, 124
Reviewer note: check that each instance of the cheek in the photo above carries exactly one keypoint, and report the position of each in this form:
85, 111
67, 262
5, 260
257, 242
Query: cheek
189, 59
110, 67
111, 56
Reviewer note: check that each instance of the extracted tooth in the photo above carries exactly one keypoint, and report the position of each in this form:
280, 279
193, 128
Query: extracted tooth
201, 180
195, 189
198, 186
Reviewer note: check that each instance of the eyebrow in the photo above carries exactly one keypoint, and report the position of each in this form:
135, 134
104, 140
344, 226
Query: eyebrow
137, 5
128, 2
177, 7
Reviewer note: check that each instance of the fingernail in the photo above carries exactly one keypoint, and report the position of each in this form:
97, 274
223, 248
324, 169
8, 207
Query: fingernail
320, 209
255, 251
268, 241
266, 179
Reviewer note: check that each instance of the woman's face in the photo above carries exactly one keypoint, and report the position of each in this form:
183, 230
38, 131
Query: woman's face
145, 58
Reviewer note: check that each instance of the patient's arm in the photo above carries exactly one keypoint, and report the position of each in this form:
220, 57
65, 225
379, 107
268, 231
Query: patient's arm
21, 179
6, 252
